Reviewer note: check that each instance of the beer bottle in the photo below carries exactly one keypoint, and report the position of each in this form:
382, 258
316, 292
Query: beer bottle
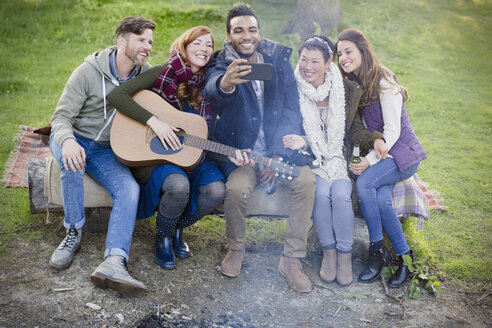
355, 154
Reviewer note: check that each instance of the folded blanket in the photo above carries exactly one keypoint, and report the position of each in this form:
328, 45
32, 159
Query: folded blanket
409, 200
27, 146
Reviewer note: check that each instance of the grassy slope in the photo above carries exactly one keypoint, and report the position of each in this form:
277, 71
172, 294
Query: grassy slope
439, 50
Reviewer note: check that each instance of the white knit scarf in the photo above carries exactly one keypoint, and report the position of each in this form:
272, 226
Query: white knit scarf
327, 145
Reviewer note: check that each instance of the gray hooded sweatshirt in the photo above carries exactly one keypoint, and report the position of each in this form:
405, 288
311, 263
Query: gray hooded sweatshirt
83, 108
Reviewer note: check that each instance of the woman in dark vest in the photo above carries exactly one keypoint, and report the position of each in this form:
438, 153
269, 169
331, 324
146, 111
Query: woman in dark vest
382, 108
179, 198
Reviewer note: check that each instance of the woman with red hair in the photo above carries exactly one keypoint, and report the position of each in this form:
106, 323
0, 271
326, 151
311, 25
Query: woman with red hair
180, 199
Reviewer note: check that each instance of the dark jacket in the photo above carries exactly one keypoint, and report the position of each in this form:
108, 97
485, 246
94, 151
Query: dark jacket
238, 123
355, 131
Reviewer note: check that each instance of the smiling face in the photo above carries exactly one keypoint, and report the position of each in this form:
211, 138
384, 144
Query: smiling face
137, 48
199, 51
312, 66
244, 36
349, 57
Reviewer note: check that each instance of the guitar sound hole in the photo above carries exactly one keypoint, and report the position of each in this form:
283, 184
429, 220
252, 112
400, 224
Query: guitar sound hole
157, 147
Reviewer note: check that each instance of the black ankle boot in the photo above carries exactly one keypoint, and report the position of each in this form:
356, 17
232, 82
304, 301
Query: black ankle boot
164, 254
181, 249
398, 278
372, 270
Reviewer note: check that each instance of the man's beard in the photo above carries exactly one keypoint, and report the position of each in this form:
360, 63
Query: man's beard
133, 56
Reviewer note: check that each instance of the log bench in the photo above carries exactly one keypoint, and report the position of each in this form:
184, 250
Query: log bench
98, 203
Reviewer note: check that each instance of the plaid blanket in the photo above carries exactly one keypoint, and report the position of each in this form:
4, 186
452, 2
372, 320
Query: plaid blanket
27, 146
409, 200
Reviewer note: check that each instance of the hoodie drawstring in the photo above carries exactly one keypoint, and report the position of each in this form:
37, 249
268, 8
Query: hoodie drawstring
104, 95
105, 110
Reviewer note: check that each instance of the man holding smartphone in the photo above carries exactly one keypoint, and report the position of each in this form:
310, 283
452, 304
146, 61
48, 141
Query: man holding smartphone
255, 115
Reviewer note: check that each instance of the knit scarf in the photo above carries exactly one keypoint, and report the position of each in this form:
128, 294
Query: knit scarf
324, 138
177, 72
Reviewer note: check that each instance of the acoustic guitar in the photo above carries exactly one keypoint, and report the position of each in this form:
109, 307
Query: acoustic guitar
136, 145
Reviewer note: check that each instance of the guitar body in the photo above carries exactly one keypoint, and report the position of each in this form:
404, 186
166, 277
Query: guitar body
137, 145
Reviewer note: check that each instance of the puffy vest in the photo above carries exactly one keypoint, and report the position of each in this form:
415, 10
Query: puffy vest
407, 150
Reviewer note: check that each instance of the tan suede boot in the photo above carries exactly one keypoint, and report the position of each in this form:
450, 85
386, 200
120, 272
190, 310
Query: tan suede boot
232, 262
344, 269
328, 271
291, 268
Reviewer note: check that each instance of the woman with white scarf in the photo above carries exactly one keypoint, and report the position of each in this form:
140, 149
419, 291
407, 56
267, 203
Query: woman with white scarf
322, 103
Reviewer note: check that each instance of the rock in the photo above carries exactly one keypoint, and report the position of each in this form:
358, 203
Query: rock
93, 306
120, 318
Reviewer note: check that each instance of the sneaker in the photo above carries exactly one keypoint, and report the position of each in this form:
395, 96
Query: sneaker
291, 268
62, 257
232, 262
113, 274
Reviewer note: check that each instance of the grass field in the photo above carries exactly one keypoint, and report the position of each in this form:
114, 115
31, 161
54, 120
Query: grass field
439, 50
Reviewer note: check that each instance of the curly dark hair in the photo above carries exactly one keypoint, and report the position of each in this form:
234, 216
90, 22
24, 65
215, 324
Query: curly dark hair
240, 11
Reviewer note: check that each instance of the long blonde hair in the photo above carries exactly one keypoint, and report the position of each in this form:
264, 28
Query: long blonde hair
192, 94
371, 70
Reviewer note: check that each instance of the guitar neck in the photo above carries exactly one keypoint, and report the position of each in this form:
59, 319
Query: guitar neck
215, 147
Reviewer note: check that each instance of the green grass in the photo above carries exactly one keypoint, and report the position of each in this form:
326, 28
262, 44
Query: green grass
439, 50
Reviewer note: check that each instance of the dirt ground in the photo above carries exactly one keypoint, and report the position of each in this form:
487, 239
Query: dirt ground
195, 294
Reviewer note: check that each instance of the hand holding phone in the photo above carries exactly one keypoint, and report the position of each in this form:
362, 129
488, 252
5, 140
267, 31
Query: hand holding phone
259, 71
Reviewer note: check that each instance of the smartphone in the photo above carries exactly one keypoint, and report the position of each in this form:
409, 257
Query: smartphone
259, 71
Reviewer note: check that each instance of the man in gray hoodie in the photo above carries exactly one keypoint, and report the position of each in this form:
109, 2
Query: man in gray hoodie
80, 143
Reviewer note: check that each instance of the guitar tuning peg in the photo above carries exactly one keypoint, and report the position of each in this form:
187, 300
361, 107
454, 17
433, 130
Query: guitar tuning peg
283, 176
289, 177
276, 174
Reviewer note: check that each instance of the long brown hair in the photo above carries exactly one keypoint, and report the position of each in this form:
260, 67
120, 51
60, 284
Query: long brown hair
194, 95
371, 70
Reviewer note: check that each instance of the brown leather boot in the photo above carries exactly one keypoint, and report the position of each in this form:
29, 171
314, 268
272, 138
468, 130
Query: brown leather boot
344, 269
328, 271
232, 262
291, 268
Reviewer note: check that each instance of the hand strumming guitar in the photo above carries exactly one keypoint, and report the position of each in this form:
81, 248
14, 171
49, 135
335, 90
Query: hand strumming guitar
165, 132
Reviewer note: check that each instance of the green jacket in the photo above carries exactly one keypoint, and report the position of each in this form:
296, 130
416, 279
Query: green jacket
82, 108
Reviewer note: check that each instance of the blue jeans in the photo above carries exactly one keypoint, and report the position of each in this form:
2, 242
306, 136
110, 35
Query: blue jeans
374, 188
102, 165
333, 215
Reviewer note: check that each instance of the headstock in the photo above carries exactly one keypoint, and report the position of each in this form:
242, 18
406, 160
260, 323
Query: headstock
284, 169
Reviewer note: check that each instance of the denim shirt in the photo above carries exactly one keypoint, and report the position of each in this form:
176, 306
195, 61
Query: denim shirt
112, 67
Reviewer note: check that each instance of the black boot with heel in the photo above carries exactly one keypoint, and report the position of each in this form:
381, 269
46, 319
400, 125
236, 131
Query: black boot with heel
398, 278
378, 257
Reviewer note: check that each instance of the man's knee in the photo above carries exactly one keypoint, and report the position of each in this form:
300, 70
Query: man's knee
306, 181
133, 191
128, 191
240, 183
